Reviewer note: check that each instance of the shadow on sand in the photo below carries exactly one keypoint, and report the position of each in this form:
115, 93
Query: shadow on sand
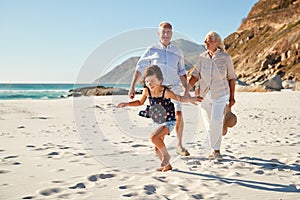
259, 185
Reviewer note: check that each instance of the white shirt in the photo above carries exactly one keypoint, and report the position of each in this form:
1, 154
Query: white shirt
213, 73
170, 59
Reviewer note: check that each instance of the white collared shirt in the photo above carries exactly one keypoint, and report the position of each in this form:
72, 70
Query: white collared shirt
169, 58
213, 73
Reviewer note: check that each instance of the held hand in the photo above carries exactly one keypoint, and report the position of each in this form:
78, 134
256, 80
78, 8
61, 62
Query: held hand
131, 93
187, 94
196, 99
199, 98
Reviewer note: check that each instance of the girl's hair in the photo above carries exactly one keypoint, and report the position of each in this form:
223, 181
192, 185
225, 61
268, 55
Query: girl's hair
216, 37
153, 70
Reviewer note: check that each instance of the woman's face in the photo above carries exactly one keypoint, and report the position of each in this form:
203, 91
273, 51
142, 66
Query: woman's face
152, 82
209, 44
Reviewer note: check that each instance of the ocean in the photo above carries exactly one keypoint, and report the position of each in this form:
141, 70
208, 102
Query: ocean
43, 91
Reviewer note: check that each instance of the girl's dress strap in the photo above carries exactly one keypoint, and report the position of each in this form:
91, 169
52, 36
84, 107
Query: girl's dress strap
148, 91
163, 96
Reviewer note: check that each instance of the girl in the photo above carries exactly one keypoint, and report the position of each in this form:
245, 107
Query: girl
161, 111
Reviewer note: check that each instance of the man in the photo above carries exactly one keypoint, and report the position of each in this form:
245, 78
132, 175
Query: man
170, 59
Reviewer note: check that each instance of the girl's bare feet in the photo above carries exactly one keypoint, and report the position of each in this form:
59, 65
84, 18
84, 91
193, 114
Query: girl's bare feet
165, 168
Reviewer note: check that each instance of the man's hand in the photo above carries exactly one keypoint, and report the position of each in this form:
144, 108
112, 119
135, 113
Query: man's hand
131, 93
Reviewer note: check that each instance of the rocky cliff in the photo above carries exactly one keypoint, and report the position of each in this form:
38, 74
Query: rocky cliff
267, 42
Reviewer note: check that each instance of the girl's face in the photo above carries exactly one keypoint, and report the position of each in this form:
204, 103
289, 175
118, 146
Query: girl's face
152, 82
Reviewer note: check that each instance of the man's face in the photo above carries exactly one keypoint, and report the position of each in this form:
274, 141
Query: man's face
165, 35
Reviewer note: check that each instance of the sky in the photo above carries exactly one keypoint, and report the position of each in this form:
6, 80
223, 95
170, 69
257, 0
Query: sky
53, 41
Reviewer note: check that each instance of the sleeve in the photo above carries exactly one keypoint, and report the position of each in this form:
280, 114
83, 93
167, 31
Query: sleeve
143, 62
196, 71
181, 65
230, 68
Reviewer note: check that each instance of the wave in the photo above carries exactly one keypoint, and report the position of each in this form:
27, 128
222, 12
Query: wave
40, 94
45, 91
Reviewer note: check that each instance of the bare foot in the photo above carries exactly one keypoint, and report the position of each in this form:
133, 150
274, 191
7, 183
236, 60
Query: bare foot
165, 168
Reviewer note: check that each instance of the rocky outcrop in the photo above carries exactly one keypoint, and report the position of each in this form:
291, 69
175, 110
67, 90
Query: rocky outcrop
266, 44
97, 91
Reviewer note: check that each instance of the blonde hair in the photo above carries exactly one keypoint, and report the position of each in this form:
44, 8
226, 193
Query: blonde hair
216, 37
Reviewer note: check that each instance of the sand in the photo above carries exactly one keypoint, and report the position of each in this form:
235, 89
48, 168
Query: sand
85, 148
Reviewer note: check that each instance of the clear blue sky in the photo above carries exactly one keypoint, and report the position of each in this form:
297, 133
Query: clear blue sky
49, 40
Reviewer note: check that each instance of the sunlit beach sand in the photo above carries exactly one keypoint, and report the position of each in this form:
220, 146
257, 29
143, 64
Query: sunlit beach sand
87, 149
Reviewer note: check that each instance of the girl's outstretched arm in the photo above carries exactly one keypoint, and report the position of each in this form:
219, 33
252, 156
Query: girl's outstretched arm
139, 102
172, 95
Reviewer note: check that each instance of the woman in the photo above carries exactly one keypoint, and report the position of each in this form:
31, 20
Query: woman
161, 109
215, 73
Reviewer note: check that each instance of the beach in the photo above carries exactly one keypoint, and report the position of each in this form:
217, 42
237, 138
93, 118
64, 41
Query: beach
86, 148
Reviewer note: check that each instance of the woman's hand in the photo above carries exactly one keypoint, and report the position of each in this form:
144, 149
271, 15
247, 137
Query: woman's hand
231, 102
195, 100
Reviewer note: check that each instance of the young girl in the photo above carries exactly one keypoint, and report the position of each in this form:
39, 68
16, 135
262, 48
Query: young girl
161, 111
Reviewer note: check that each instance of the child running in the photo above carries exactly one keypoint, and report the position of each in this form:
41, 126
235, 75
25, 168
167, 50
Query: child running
161, 111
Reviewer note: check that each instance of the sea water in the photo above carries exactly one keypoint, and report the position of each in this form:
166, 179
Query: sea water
43, 90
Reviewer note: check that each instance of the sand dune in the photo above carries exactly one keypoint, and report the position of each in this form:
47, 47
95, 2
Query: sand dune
88, 149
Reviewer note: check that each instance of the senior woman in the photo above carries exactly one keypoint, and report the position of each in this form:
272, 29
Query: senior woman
215, 74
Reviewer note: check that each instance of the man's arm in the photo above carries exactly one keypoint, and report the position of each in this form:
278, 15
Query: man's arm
136, 76
193, 80
183, 80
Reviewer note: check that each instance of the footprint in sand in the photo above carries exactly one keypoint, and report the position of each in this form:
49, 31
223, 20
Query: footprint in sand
52, 154
182, 188
28, 197
138, 145
4, 171
125, 187
8, 160
197, 196
150, 189
10, 157
161, 179
94, 178
130, 194
78, 186
105, 176
30, 146
49, 192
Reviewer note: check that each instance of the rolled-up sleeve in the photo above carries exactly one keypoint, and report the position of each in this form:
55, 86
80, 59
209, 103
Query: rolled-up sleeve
181, 65
143, 62
196, 71
230, 69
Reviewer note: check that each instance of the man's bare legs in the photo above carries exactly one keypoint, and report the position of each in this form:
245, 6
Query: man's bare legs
179, 131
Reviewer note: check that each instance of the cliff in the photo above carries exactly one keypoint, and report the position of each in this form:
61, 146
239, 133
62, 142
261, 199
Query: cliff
267, 42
